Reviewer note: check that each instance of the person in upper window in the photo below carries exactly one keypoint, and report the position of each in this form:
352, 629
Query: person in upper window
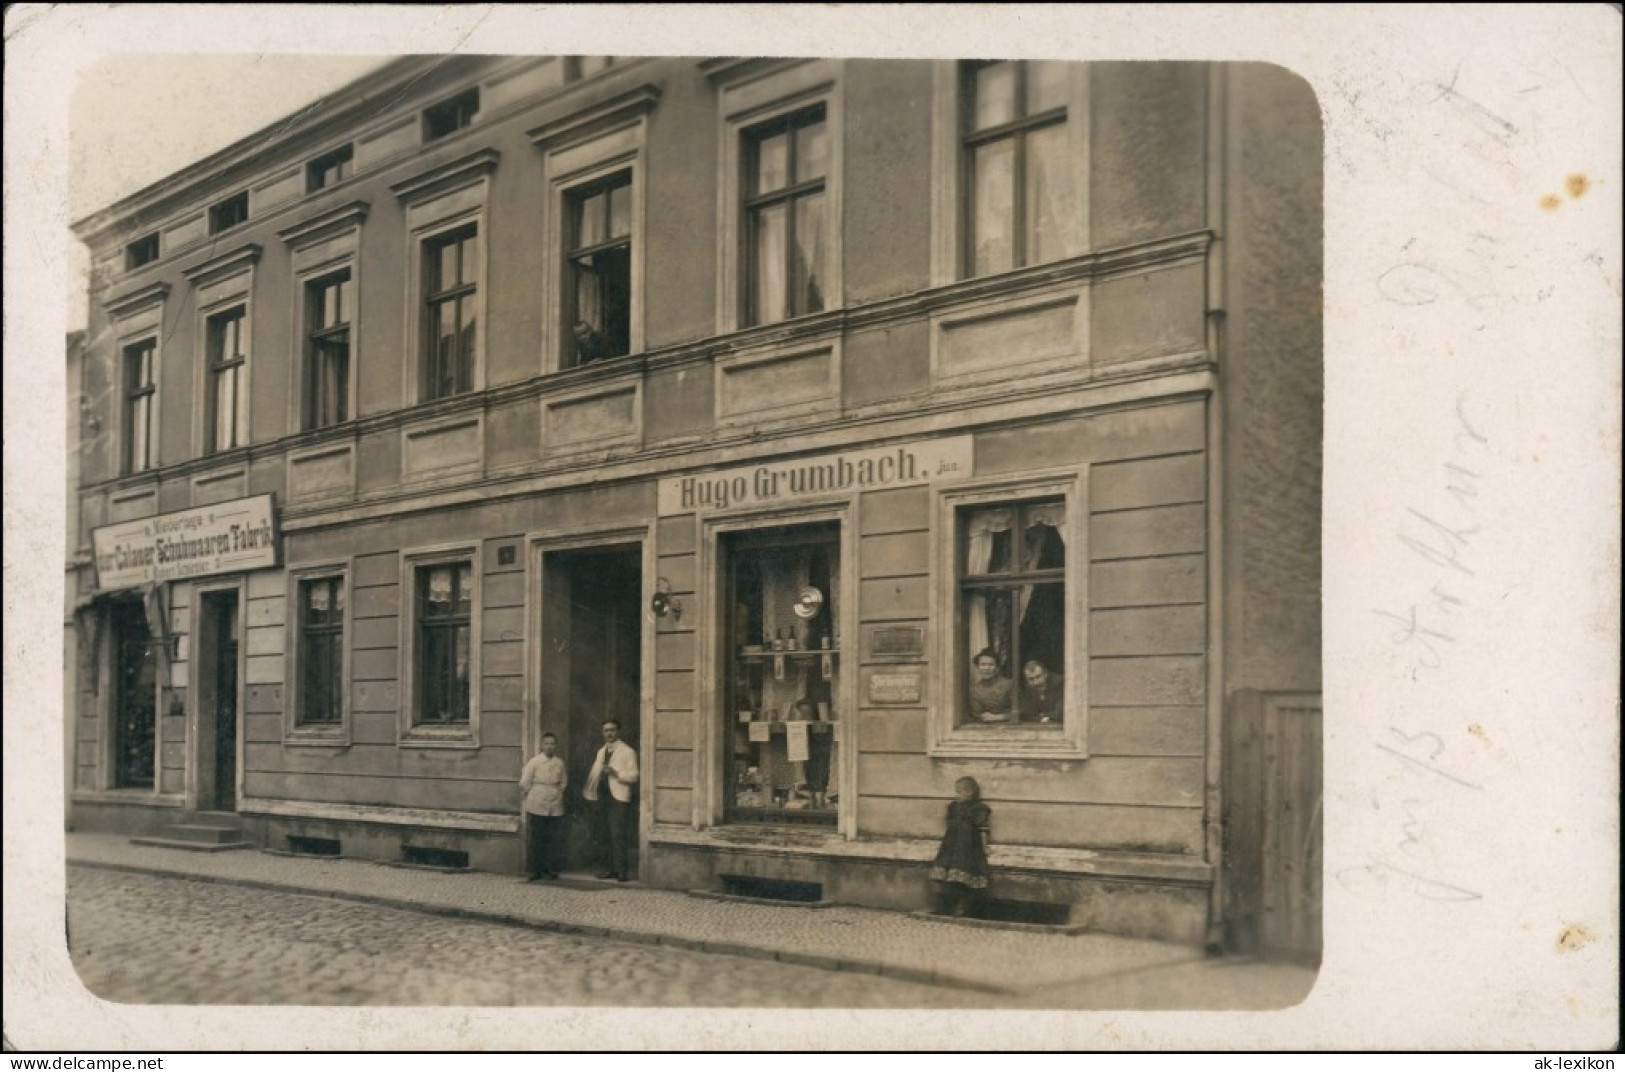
1041, 693
991, 693
590, 343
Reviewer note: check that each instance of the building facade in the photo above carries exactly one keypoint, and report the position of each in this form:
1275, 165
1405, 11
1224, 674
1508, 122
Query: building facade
840, 427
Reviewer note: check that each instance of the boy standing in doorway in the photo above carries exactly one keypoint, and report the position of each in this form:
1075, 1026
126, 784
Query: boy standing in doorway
609, 787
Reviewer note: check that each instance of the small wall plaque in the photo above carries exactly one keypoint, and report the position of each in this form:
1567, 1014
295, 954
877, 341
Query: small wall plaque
901, 688
897, 642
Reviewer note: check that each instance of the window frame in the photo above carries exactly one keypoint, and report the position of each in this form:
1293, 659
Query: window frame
143, 251
414, 730
148, 395
575, 198
217, 364
431, 300
297, 728
951, 734
228, 212
790, 196
338, 161
952, 255
579, 151
316, 336
751, 95
453, 109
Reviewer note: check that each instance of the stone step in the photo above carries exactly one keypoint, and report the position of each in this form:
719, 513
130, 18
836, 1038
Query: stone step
211, 833
193, 846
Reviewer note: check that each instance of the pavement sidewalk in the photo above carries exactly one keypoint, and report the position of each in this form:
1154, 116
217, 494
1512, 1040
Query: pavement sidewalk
1012, 965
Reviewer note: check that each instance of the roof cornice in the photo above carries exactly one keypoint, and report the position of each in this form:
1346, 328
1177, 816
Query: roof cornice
340, 110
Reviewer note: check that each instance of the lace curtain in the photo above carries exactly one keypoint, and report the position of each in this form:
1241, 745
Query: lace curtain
981, 528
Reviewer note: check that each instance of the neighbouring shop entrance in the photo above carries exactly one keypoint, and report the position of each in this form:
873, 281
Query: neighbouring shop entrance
135, 696
217, 702
591, 671
783, 657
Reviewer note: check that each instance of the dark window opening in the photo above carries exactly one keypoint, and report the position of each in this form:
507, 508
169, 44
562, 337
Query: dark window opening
229, 213
329, 169
313, 846
786, 247
452, 115
579, 67
599, 297
141, 251
447, 859
773, 889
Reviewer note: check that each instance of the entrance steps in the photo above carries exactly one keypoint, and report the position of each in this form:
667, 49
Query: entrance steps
203, 831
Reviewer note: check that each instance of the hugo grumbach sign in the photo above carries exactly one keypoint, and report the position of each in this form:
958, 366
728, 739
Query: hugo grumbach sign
824, 474
224, 538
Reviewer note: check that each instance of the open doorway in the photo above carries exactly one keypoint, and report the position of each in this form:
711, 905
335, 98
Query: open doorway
592, 670
217, 654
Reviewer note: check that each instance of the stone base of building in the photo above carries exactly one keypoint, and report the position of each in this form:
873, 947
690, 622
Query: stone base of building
1128, 894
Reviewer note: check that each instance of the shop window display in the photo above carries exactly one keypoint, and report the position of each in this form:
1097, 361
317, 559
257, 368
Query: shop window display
784, 669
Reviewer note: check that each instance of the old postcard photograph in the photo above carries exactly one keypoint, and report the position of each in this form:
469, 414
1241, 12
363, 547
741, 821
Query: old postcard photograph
675, 526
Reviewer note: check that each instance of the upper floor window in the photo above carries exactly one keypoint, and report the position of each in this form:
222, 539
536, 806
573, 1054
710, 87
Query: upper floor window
143, 250
450, 289
321, 651
1018, 175
140, 394
228, 213
327, 361
329, 168
599, 270
786, 162
226, 421
578, 67
450, 116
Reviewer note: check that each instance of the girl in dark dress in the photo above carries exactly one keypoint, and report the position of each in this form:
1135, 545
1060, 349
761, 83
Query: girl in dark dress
960, 869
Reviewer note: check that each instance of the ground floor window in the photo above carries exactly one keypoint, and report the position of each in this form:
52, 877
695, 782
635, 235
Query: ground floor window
783, 669
1012, 587
135, 697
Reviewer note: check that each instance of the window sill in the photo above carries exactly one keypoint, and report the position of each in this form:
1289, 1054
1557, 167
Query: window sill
318, 737
1007, 740
439, 737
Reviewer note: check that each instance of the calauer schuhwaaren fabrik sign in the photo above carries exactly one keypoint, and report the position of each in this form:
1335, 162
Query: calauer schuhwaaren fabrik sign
227, 537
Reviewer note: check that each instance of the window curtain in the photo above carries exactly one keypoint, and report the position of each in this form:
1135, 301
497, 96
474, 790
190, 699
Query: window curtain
982, 526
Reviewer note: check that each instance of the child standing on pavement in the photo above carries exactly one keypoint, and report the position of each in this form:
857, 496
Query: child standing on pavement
960, 869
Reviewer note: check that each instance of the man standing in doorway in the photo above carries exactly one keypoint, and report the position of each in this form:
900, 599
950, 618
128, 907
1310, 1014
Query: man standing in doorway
609, 787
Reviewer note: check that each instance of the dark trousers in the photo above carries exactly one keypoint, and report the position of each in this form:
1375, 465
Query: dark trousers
613, 819
546, 835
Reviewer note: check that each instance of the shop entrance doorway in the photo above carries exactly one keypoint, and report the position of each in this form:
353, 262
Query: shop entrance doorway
592, 670
217, 702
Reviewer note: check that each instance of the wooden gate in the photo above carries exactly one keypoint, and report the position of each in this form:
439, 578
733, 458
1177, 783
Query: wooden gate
1272, 825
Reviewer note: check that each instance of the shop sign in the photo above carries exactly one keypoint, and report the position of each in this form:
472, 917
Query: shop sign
821, 475
224, 538
894, 688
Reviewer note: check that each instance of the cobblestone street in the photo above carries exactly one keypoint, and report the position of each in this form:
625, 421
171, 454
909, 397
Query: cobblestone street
148, 939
